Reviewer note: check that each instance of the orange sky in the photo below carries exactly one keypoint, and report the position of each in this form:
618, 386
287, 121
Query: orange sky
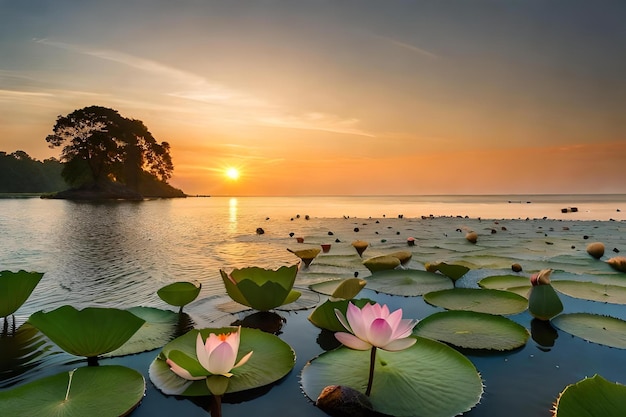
350, 98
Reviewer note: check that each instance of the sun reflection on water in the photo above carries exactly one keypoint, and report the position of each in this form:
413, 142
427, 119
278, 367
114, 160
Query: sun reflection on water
232, 215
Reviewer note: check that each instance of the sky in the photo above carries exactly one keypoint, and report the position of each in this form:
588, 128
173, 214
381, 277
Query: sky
324, 97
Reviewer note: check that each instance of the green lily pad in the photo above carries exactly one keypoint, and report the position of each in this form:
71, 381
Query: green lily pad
543, 302
160, 327
262, 289
89, 332
504, 282
179, 294
271, 360
482, 301
407, 282
472, 330
101, 391
604, 330
381, 263
15, 288
592, 397
429, 377
324, 315
452, 271
340, 288
591, 291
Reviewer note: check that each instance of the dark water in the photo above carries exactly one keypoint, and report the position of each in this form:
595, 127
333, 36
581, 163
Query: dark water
119, 254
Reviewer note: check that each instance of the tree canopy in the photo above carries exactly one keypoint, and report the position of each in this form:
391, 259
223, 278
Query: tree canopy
100, 146
19, 173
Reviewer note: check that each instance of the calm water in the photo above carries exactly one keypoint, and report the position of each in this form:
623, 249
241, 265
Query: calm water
118, 254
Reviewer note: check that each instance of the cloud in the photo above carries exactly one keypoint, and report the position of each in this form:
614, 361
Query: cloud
408, 46
190, 86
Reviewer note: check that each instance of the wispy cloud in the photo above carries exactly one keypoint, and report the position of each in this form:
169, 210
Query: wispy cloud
191, 86
409, 47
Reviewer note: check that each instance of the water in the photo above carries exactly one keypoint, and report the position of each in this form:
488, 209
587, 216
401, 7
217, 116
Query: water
119, 253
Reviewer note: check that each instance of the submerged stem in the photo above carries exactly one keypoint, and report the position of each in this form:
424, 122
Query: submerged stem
370, 379
69, 383
216, 406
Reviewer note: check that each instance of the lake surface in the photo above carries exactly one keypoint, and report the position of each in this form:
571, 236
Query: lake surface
120, 253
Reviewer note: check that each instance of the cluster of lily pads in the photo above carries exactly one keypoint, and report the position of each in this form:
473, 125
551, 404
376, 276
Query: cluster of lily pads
395, 365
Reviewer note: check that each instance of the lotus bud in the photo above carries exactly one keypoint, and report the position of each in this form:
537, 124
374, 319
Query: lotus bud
541, 278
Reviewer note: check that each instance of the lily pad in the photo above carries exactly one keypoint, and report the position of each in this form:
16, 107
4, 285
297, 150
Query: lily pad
504, 282
179, 294
592, 397
381, 263
591, 291
272, 359
472, 330
429, 377
452, 271
482, 301
15, 288
262, 289
89, 332
101, 391
160, 327
407, 282
324, 315
340, 288
604, 330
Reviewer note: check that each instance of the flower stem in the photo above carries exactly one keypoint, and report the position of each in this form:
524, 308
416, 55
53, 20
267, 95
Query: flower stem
371, 375
216, 406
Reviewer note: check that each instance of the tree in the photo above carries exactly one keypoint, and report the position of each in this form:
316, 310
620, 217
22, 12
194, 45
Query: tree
100, 146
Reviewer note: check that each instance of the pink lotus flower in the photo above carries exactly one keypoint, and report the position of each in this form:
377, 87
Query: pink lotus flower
217, 356
374, 327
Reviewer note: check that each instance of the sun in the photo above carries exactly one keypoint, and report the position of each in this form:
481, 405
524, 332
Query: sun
232, 173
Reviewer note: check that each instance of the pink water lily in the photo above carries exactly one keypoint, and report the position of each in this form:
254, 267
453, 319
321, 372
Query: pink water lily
374, 326
217, 356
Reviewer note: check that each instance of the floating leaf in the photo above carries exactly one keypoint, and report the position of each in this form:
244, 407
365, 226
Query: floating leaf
272, 359
592, 397
604, 330
160, 327
407, 282
15, 288
179, 294
306, 255
472, 330
381, 263
89, 332
429, 377
591, 291
483, 301
404, 256
452, 271
262, 289
504, 282
543, 302
324, 315
101, 391
349, 288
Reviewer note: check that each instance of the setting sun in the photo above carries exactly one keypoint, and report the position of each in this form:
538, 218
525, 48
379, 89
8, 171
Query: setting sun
232, 173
